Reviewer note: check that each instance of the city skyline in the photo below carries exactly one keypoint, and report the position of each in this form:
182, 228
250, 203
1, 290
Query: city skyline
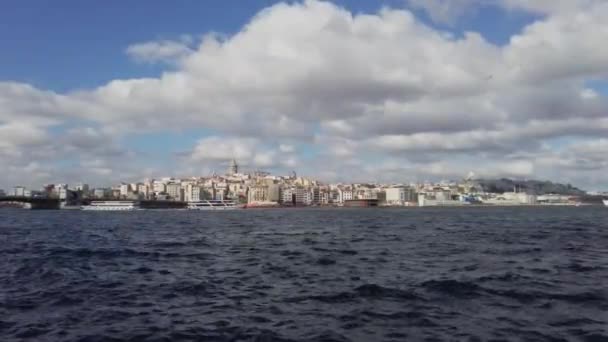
350, 91
236, 189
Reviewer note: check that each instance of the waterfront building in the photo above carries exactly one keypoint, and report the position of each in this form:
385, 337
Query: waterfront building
306, 197
510, 198
400, 196
83, 188
143, 190
115, 192
367, 193
285, 195
431, 199
207, 193
324, 196
159, 187
220, 191
102, 193
192, 193
346, 194
258, 193
442, 194
237, 190
175, 191
62, 193
295, 195
133, 187
274, 193
268, 192
334, 196
19, 191
554, 199
48, 189
124, 189
315, 195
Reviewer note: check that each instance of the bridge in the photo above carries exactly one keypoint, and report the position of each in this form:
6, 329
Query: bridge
29, 202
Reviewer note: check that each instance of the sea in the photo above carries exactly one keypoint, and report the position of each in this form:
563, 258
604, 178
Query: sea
407, 274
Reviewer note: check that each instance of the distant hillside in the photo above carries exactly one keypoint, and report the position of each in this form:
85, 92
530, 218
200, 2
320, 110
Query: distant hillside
530, 186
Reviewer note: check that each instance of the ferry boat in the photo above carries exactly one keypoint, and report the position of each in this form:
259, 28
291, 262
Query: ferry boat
111, 206
213, 205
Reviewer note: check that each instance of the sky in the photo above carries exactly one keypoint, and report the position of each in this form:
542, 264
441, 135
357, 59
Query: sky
350, 90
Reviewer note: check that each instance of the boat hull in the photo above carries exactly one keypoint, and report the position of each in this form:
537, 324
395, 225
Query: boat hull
213, 205
88, 208
111, 206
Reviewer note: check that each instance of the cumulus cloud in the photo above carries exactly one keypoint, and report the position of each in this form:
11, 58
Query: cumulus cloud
449, 11
358, 89
166, 51
445, 11
251, 153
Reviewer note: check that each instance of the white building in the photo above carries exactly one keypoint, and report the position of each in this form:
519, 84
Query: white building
159, 187
274, 193
345, 195
301, 196
192, 193
257, 193
511, 198
315, 195
286, 195
102, 193
63, 193
83, 188
400, 196
220, 191
175, 191
19, 191
143, 190
125, 189
366, 194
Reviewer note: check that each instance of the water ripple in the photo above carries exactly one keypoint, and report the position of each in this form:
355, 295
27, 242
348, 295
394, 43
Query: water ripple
471, 274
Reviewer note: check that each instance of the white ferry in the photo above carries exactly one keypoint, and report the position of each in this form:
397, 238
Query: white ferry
112, 206
213, 205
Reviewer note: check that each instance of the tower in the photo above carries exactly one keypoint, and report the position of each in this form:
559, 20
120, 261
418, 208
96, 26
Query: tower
233, 168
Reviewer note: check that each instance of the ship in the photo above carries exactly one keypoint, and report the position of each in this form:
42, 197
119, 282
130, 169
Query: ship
213, 205
261, 205
112, 206
605, 202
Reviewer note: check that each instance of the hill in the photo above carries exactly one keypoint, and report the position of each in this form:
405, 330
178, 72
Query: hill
535, 187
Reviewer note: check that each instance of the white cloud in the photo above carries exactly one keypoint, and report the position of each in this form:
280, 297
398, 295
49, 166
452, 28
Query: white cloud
251, 153
445, 11
167, 51
220, 148
449, 11
350, 85
287, 148
550, 6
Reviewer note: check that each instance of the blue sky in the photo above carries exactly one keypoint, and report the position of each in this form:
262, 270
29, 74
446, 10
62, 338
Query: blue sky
76, 44
65, 75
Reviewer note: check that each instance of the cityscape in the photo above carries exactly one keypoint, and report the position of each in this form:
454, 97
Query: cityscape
263, 190
304, 170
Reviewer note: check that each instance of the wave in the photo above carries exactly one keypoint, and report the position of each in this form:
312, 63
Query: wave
368, 291
454, 288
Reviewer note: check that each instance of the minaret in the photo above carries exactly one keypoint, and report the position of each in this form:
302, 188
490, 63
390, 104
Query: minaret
233, 168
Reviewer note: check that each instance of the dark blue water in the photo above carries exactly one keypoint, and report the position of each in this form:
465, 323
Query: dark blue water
472, 274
